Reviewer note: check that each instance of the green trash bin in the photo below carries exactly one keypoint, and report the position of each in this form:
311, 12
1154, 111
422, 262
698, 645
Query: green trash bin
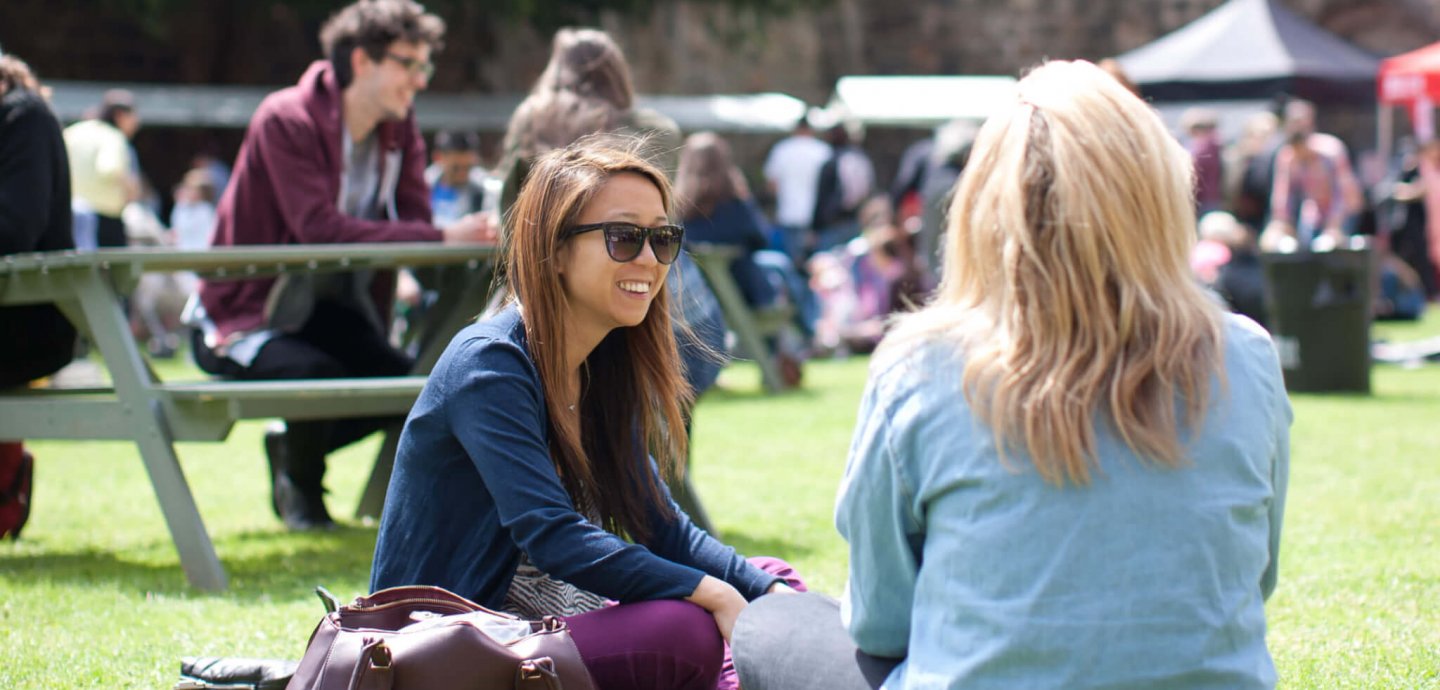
1319, 309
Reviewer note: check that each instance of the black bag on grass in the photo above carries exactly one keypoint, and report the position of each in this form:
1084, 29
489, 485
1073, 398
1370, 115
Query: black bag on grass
234, 673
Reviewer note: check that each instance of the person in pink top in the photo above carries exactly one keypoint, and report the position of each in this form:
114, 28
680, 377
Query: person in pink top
1300, 123
1309, 197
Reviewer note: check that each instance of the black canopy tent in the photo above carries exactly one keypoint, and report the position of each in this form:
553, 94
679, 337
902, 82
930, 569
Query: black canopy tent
1252, 49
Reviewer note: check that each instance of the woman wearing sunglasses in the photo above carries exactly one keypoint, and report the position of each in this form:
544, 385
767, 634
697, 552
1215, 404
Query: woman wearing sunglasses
522, 479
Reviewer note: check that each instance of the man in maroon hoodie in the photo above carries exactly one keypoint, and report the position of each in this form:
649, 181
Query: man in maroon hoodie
336, 158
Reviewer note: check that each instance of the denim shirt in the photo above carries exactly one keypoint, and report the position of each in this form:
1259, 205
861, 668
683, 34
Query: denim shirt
982, 575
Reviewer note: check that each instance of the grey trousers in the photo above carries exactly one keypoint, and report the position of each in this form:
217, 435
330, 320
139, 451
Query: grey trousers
796, 641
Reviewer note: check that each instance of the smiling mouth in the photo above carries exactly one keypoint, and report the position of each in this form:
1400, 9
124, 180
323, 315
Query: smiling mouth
635, 287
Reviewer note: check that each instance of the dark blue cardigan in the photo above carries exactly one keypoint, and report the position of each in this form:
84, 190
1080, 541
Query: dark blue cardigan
474, 486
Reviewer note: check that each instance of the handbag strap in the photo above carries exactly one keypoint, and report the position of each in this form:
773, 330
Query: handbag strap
373, 670
415, 593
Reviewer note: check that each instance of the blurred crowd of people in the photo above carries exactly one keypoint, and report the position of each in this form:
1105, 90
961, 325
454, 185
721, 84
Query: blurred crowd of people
1283, 185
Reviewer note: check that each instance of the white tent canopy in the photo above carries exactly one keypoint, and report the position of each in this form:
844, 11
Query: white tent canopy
189, 105
1230, 116
920, 101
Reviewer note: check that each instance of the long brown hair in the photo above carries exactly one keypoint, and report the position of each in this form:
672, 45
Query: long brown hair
16, 74
631, 387
1067, 279
553, 119
589, 63
706, 178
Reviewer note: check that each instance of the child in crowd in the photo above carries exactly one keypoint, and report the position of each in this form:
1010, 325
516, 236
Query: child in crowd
1227, 260
863, 283
159, 298
193, 218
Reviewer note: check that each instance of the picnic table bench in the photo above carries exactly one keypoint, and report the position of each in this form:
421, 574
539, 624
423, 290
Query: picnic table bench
752, 327
139, 407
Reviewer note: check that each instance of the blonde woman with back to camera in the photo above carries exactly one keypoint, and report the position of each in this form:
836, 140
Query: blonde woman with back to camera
1069, 470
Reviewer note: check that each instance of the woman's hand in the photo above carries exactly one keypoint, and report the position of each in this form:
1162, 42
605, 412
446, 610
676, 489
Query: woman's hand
723, 602
781, 588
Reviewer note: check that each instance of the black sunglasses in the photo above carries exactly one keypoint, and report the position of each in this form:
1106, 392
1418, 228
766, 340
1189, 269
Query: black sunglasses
625, 241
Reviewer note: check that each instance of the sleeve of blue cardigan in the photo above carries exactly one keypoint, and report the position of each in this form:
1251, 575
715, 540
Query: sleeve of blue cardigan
679, 540
495, 407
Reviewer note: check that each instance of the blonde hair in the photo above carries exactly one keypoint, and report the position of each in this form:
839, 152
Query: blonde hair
1067, 282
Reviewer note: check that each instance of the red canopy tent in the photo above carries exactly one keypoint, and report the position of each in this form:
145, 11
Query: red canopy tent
1410, 80
1407, 77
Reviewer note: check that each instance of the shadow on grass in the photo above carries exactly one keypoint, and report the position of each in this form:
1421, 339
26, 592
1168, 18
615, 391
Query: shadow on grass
1407, 397
1378, 397
1347, 396
766, 546
260, 564
719, 395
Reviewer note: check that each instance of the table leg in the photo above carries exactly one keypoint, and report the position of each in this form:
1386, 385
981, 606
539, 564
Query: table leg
463, 295
741, 321
145, 409
372, 500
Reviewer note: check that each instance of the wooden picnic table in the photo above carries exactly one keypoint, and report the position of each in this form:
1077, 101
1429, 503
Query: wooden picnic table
139, 407
751, 327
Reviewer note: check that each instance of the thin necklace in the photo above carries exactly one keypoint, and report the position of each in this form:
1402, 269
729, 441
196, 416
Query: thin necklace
584, 379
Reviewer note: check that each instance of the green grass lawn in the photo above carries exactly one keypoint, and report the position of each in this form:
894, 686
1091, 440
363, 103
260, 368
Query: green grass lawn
93, 596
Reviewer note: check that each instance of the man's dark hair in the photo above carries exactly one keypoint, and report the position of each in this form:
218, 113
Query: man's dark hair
114, 103
451, 141
372, 25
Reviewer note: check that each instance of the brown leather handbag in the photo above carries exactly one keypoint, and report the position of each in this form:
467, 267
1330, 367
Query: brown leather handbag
407, 638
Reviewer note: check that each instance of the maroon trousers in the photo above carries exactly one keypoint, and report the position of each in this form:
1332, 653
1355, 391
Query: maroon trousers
662, 644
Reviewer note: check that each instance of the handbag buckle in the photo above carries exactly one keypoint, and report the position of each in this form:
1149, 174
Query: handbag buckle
536, 669
380, 656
